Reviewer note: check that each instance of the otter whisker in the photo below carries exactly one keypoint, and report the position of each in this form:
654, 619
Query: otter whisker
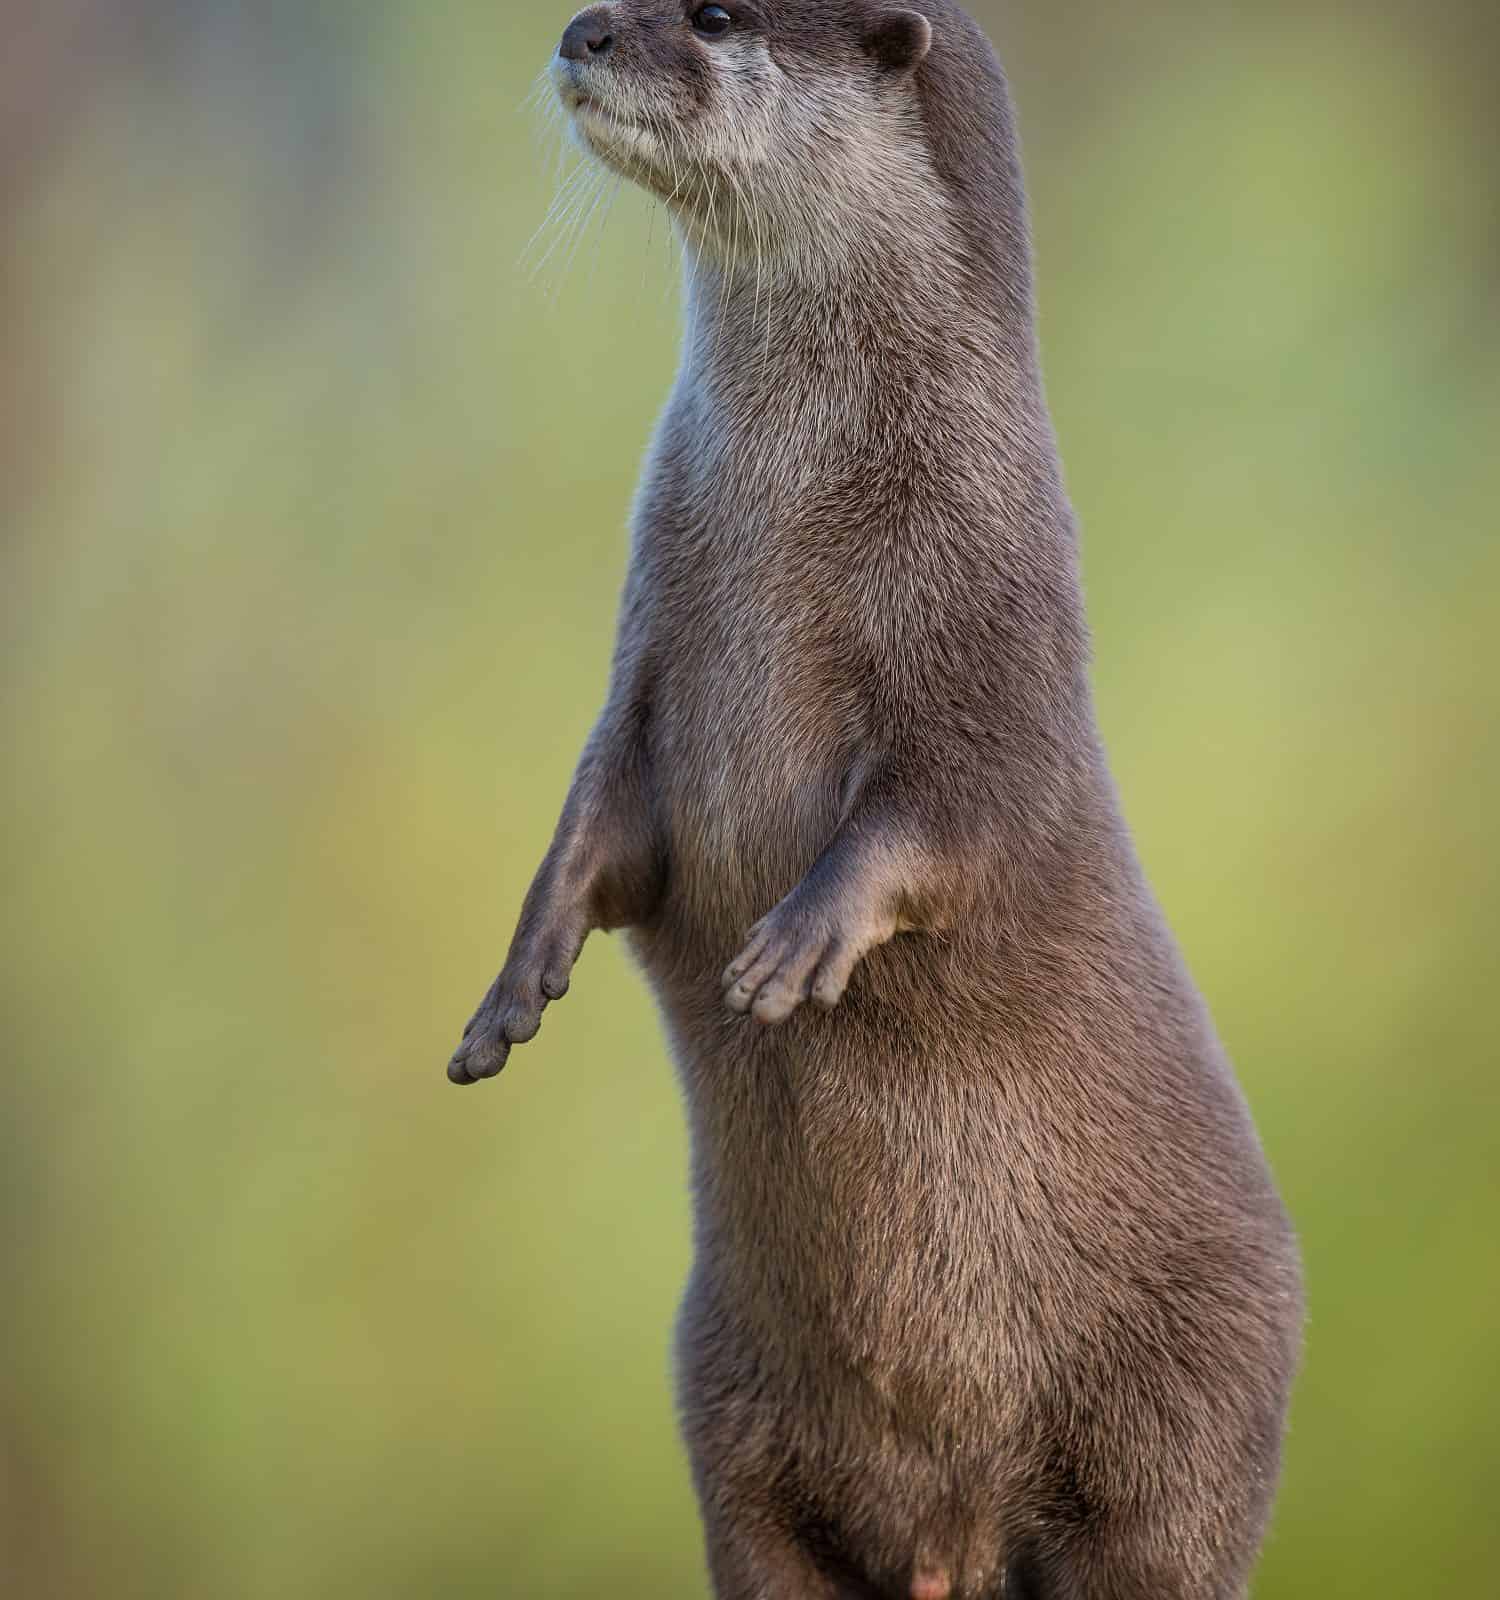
566, 192
727, 266
650, 243
712, 234
579, 232
609, 208
574, 217
571, 194
659, 130
745, 205
543, 97
678, 178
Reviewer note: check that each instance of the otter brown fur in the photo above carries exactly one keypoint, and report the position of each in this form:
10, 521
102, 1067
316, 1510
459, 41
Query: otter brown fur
993, 1295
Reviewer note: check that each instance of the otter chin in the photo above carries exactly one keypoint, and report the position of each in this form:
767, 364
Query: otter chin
993, 1297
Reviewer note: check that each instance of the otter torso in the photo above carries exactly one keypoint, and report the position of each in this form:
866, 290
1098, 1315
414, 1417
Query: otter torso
830, 546
992, 1292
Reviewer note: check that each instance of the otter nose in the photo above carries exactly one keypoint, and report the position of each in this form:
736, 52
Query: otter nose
588, 37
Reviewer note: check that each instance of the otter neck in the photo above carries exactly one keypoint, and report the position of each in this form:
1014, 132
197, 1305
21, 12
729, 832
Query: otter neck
877, 339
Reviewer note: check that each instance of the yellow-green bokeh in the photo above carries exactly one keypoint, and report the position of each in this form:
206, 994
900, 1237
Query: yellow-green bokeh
313, 522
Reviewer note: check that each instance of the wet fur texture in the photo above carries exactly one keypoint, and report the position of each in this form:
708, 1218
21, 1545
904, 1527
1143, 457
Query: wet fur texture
993, 1295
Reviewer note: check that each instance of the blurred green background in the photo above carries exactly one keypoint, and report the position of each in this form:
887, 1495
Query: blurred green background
312, 505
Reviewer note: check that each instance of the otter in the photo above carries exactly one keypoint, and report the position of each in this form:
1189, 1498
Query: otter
992, 1294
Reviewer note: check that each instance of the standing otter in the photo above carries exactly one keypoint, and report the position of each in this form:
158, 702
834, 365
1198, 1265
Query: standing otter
993, 1295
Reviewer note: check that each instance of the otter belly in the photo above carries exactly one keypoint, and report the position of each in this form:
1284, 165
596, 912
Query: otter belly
941, 1201
852, 1177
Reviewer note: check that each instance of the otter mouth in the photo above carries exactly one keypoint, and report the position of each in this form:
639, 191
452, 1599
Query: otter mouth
608, 123
587, 105
582, 100
622, 141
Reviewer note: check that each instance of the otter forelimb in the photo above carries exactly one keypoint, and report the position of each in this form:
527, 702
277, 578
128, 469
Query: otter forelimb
602, 872
875, 880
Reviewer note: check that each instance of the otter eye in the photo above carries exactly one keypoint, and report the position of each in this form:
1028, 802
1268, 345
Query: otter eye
712, 20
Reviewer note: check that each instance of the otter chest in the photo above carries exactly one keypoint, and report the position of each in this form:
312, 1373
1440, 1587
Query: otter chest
757, 709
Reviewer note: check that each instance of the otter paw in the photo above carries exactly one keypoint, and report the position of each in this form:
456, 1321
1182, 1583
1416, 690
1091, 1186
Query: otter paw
792, 957
511, 1013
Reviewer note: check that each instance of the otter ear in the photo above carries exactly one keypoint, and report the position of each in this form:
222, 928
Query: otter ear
899, 40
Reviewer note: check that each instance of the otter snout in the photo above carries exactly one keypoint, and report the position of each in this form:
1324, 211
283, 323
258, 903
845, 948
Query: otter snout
589, 36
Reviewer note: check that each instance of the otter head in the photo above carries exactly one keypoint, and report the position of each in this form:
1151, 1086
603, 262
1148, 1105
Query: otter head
770, 127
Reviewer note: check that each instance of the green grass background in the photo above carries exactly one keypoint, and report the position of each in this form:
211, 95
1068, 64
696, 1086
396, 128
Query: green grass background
313, 510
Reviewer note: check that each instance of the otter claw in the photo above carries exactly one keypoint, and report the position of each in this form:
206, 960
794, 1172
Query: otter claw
785, 965
512, 1012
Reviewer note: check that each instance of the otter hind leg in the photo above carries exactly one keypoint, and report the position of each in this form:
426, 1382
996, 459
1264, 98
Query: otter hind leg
1116, 1569
756, 1558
